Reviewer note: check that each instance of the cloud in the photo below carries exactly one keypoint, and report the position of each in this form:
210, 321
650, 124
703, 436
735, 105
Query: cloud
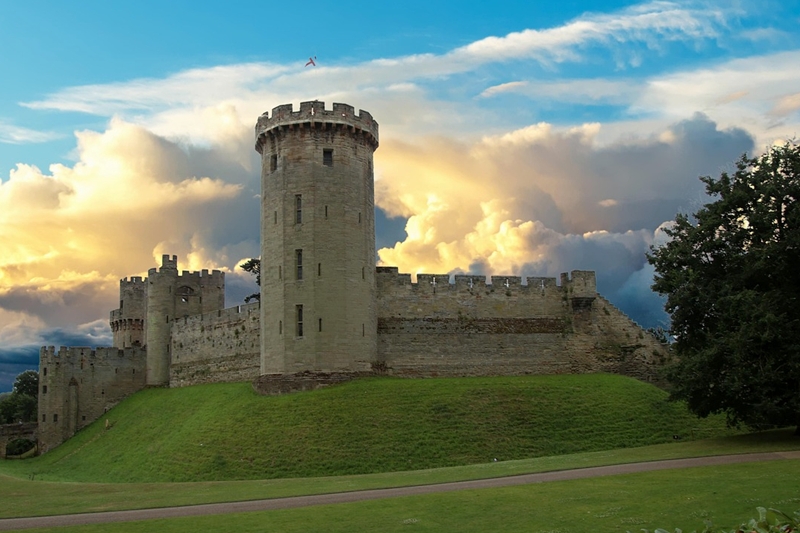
70, 234
396, 89
544, 200
11, 134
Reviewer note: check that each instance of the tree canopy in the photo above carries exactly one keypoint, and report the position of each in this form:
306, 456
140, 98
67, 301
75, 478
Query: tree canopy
21, 404
730, 274
27, 383
254, 267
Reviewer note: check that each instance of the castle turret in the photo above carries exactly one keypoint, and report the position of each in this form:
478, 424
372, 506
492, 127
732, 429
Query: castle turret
317, 239
161, 286
170, 296
127, 322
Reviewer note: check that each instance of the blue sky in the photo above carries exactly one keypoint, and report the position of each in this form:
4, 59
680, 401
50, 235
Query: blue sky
523, 138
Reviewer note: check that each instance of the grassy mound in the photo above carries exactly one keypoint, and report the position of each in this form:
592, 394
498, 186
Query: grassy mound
226, 431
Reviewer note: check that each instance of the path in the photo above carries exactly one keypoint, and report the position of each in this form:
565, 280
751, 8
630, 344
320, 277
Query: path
9, 524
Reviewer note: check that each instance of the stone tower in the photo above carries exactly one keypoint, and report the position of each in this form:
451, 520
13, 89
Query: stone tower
127, 322
318, 299
170, 295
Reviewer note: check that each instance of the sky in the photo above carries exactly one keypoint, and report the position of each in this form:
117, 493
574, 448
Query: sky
520, 138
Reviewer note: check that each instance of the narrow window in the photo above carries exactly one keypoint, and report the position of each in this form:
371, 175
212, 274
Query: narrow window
298, 259
44, 389
273, 163
134, 371
167, 319
319, 269
299, 309
280, 273
280, 327
83, 418
362, 273
44, 418
362, 329
276, 217
326, 211
320, 324
359, 218
120, 304
327, 157
298, 207
44, 371
55, 417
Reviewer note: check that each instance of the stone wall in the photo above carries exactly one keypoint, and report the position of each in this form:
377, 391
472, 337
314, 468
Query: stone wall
78, 385
471, 328
12, 432
217, 347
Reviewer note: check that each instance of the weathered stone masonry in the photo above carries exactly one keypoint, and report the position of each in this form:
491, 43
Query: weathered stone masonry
327, 314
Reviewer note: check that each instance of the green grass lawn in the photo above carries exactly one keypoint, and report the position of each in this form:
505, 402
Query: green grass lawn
727, 495
23, 497
227, 432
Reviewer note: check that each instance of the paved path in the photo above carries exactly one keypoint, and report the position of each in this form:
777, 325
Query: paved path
376, 494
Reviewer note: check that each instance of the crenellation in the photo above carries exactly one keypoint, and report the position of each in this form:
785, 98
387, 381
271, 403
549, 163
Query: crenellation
313, 114
506, 282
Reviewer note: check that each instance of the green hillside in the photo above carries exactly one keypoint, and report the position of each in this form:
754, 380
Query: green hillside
227, 432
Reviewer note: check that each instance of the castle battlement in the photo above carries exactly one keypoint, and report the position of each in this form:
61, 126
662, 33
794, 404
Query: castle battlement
71, 355
134, 281
313, 114
203, 277
222, 315
580, 283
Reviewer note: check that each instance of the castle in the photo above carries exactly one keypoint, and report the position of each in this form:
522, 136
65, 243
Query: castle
326, 312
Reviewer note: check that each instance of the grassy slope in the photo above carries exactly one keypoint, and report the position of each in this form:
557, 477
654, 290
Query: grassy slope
35, 498
224, 432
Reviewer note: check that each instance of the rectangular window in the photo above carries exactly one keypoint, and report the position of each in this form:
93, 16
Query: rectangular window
280, 272
326, 211
273, 163
319, 269
44, 371
299, 309
359, 218
44, 389
276, 217
327, 157
298, 260
55, 417
320, 324
280, 327
298, 207
44, 418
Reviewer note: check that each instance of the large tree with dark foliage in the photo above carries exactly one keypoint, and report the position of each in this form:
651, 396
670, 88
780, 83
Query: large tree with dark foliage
254, 267
21, 404
731, 274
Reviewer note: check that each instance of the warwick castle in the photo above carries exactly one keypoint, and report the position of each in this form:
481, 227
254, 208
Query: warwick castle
326, 312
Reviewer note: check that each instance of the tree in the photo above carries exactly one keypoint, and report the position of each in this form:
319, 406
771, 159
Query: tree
27, 383
21, 404
729, 274
253, 266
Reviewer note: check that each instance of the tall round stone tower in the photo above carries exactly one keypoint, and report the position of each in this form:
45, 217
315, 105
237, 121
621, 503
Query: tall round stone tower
318, 299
